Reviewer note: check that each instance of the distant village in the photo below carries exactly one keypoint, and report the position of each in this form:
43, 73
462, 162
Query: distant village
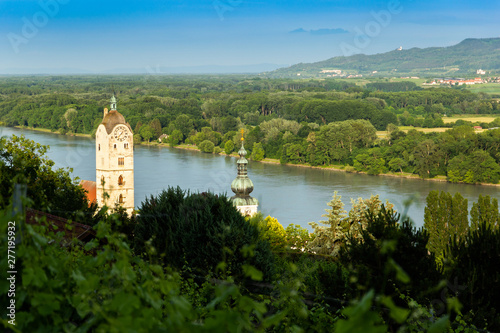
461, 81
435, 82
338, 73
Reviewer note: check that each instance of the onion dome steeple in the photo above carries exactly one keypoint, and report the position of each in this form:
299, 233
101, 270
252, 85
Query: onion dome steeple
242, 186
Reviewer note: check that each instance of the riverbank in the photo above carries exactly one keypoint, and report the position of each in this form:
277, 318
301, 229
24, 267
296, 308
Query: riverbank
45, 130
338, 168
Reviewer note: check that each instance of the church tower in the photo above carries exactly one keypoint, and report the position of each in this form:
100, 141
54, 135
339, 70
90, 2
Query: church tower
114, 160
242, 186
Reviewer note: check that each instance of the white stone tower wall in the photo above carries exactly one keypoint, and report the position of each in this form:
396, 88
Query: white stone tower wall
107, 167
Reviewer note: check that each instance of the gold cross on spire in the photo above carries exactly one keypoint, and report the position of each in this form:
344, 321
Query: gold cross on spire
242, 132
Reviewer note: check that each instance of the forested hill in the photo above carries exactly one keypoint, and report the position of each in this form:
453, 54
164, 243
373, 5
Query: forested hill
461, 59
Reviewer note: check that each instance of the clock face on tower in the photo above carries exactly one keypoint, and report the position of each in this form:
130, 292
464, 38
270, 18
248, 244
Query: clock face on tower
120, 133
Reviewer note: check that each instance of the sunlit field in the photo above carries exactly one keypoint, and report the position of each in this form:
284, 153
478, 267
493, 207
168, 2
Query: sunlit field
489, 88
471, 118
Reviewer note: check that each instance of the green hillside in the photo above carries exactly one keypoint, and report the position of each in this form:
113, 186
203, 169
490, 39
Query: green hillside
461, 59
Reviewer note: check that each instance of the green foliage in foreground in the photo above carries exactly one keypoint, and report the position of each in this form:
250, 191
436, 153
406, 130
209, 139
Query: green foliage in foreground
472, 266
468, 252
103, 287
391, 257
24, 161
445, 218
340, 226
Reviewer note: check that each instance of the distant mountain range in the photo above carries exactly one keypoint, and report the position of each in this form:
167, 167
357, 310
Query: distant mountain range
464, 58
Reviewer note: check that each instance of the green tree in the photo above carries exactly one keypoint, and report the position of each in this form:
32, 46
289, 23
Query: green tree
258, 152
229, 147
156, 126
23, 161
206, 146
477, 167
146, 132
138, 127
485, 211
202, 230
390, 256
184, 124
330, 238
137, 139
471, 271
229, 124
372, 164
175, 138
271, 230
298, 238
207, 133
427, 158
397, 164
445, 218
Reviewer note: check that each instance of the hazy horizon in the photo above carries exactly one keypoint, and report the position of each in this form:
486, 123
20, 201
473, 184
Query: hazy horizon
156, 37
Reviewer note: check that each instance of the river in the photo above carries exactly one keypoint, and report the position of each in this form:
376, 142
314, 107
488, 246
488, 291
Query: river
292, 194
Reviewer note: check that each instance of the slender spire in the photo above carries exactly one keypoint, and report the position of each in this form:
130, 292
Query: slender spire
113, 101
242, 186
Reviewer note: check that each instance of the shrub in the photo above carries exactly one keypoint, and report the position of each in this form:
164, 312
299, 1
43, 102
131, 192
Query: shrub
217, 150
271, 230
202, 230
297, 237
206, 146
389, 253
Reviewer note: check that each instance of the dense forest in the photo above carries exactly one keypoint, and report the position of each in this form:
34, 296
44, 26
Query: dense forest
312, 122
190, 262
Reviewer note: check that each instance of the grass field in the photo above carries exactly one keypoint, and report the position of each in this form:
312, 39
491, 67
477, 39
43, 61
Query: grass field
383, 134
489, 88
472, 118
364, 81
425, 130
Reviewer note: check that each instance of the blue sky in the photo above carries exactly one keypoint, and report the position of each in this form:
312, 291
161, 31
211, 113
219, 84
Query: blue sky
105, 35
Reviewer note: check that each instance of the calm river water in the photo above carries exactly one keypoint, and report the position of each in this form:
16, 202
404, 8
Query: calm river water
291, 194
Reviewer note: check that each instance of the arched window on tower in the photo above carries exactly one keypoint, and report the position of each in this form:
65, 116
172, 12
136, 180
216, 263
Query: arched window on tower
120, 180
120, 199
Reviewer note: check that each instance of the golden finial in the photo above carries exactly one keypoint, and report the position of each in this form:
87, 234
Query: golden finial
242, 132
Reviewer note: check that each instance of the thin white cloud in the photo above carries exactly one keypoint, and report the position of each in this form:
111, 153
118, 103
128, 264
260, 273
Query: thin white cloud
320, 32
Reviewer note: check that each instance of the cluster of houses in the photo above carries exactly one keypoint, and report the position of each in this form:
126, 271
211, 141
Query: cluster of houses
338, 73
457, 82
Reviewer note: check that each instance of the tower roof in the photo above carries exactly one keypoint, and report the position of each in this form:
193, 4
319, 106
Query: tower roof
112, 119
242, 186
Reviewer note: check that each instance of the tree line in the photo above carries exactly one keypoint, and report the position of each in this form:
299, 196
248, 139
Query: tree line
294, 121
